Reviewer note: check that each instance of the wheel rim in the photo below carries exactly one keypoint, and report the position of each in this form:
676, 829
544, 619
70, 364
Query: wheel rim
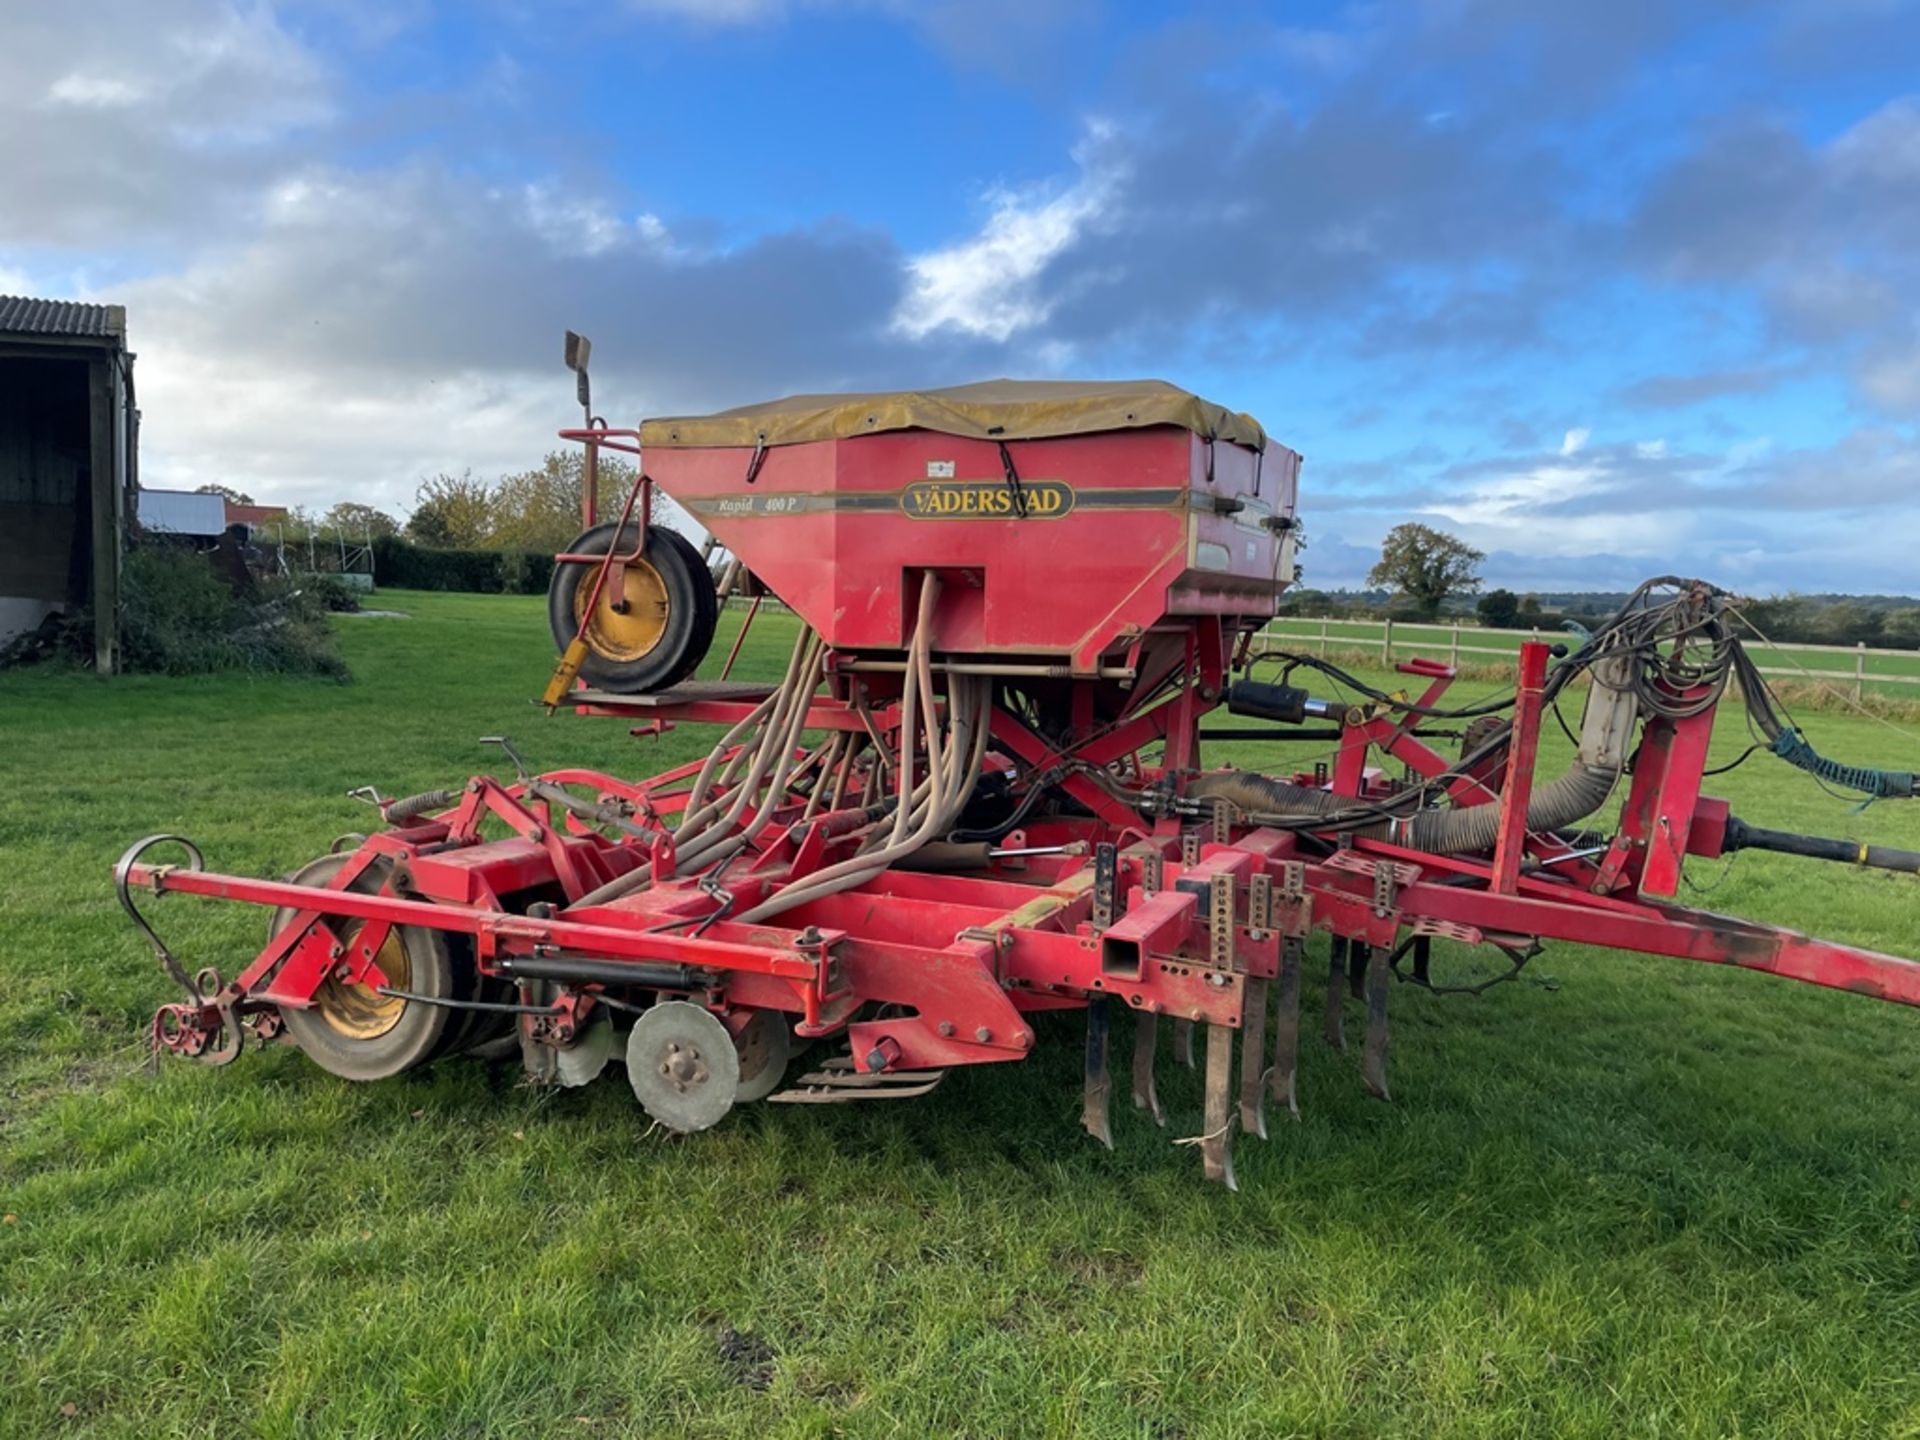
629, 635
359, 1011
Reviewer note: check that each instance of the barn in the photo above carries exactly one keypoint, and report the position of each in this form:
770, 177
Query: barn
69, 441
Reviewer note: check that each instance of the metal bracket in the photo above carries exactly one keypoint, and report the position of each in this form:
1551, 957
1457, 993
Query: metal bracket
1220, 922
1105, 860
506, 744
1259, 906
1383, 891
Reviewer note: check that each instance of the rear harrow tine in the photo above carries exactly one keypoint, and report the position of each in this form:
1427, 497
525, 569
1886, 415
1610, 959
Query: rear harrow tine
1098, 1088
1286, 1033
1216, 1144
838, 1095
1373, 1062
1183, 1042
1358, 954
1253, 1054
868, 1079
1336, 1032
1146, 1035
837, 1083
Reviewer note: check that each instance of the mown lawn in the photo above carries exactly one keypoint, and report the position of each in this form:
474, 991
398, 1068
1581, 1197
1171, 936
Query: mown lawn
1626, 1197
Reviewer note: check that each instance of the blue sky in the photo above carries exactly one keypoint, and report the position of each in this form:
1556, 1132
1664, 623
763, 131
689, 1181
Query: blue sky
1610, 289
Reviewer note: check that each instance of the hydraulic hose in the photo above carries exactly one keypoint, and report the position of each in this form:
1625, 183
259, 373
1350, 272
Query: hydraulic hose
1563, 802
1605, 730
1742, 836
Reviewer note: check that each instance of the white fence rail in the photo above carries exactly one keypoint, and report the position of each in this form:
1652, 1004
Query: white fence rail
1399, 638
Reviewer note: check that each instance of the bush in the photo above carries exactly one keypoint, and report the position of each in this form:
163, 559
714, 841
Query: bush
1499, 609
179, 618
333, 593
485, 572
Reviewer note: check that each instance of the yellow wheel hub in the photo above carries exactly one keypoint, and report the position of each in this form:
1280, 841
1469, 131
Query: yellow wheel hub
359, 1011
628, 634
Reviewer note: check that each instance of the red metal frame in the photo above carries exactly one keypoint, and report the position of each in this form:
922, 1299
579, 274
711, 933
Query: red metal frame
967, 954
921, 971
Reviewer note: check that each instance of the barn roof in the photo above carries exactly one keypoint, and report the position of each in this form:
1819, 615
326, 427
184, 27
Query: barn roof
22, 315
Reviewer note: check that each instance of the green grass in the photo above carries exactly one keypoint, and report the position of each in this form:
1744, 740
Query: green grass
1642, 1198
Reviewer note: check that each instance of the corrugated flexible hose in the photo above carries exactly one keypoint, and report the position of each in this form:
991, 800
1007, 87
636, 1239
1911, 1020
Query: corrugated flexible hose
1606, 729
1563, 802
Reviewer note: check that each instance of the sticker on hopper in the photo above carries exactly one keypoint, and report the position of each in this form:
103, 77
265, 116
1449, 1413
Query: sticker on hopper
985, 500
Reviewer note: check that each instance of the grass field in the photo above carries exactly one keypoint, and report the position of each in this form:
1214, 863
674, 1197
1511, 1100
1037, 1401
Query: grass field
1631, 1197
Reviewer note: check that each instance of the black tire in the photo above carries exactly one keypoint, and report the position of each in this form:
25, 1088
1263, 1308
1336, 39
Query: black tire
417, 1032
470, 1029
687, 627
707, 618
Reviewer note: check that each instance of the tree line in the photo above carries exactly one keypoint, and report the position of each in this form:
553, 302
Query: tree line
1424, 572
532, 510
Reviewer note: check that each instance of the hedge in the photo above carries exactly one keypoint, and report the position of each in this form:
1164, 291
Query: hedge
408, 566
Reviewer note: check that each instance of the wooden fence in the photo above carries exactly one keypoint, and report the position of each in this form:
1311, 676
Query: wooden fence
1394, 638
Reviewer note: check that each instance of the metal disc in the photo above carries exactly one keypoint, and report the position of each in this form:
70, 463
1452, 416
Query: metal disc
581, 1062
682, 1065
764, 1046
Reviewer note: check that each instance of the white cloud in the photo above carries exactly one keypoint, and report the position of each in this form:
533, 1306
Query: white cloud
1575, 439
586, 225
990, 285
102, 92
374, 327
713, 12
1891, 380
1319, 49
313, 438
1884, 147
157, 123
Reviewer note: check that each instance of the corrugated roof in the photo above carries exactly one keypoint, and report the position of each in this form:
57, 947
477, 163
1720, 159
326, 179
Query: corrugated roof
181, 512
21, 315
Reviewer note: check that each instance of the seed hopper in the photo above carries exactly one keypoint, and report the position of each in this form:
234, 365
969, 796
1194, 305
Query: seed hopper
980, 791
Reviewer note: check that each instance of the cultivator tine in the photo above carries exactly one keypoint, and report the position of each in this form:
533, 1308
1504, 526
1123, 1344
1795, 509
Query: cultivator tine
1358, 955
1336, 1031
1146, 1037
1286, 1030
1098, 1088
1253, 1054
1183, 1042
1373, 1061
1216, 1143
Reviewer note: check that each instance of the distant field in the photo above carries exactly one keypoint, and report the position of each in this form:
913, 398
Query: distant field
1479, 646
1625, 1197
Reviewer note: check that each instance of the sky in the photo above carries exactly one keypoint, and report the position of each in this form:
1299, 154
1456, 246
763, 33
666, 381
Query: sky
1608, 288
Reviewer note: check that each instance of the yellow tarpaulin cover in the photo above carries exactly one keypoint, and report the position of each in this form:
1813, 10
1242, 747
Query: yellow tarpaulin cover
989, 410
